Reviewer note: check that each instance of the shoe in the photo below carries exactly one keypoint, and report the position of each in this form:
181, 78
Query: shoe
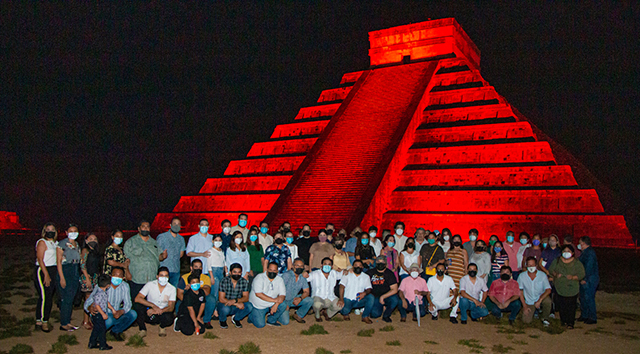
414, 319
552, 315
236, 323
463, 322
298, 319
106, 347
403, 319
223, 325
324, 314
208, 324
512, 323
367, 320
434, 318
318, 319
453, 320
93, 346
175, 325
590, 321
38, 326
545, 323
387, 319
46, 327
569, 326
118, 337
162, 332
215, 318
474, 319
142, 333
357, 312
274, 324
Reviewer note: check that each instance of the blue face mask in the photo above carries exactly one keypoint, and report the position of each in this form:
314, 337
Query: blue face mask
391, 243
544, 245
497, 249
289, 240
116, 281
195, 287
264, 230
204, 229
365, 241
242, 223
524, 241
253, 238
326, 268
536, 242
509, 239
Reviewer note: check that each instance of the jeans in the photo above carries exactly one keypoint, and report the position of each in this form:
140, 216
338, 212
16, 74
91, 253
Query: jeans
257, 316
468, 305
514, 308
174, 278
99, 331
411, 307
390, 303
238, 314
71, 274
366, 302
212, 298
122, 323
588, 300
303, 309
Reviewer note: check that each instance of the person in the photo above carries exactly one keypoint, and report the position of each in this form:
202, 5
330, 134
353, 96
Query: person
535, 250
411, 287
473, 293
373, 240
190, 315
256, 256
330, 228
226, 234
431, 255
384, 286
457, 260
155, 303
505, 295
482, 260
267, 298
98, 338
340, 258
279, 254
442, 294
512, 248
351, 244
304, 244
233, 297
172, 244
89, 269
499, 258
400, 237
390, 254
199, 244
355, 292
323, 282
534, 293
122, 316
114, 255
568, 240
365, 252
420, 238
470, 246
320, 250
297, 292
237, 253
46, 277
549, 254
242, 227
264, 238
216, 262
444, 240
589, 284
145, 258
407, 257
68, 264
492, 241
524, 245
288, 241
567, 273
207, 284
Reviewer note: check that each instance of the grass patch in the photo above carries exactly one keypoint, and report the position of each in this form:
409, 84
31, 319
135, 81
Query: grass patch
623, 315
69, 339
430, 342
209, 335
30, 301
136, 341
21, 349
346, 351
621, 322
5, 301
534, 336
55, 315
249, 348
471, 343
510, 330
15, 328
337, 319
111, 338
499, 348
366, 332
58, 348
314, 329
323, 351
520, 342
394, 343
510, 336
224, 351
22, 293
388, 328
599, 330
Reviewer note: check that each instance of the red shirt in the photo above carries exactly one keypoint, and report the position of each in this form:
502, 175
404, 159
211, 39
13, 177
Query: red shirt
504, 291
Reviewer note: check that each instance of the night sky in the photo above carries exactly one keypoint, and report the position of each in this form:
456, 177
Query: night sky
110, 113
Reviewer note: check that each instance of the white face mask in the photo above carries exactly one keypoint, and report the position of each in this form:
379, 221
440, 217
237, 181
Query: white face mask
73, 235
217, 244
524, 241
117, 240
238, 240
414, 274
531, 269
566, 255
204, 229
446, 238
226, 230
372, 234
399, 232
473, 238
579, 246
163, 281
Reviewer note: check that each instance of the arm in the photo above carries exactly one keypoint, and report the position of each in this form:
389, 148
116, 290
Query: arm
170, 307
222, 298
311, 259
466, 259
266, 298
391, 292
42, 247
403, 300
341, 296
102, 313
524, 304
140, 299
289, 264
542, 297
59, 255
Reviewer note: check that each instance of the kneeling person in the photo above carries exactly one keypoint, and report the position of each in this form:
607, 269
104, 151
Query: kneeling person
410, 288
155, 303
295, 283
443, 294
233, 297
473, 293
267, 297
355, 292
189, 318
505, 294
384, 289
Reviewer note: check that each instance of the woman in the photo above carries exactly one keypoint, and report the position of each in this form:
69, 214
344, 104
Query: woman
444, 240
364, 251
68, 263
340, 257
46, 277
237, 253
215, 267
390, 253
431, 255
289, 243
407, 257
499, 258
482, 259
114, 255
567, 273
320, 250
534, 251
90, 270
256, 255
549, 254
457, 260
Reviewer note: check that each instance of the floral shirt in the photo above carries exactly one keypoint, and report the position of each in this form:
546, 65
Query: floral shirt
278, 255
113, 254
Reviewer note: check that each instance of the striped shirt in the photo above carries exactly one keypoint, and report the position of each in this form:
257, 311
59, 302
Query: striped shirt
456, 268
498, 263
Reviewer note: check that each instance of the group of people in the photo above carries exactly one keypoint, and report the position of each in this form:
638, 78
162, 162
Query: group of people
243, 272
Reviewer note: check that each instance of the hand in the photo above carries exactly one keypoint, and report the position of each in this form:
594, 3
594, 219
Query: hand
537, 304
431, 308
92, 309
127, 262
229, 303
417, 292
340, 303
207, 254
381, 301
359, 296
453, 302
481, 304
239, 305
345, 272
150, 312
105, 316
559, 275
405, 304
273, 309
63, 283
118, 313
296, 301
583, 282
47, 279
87, 283
305, 275
165, 254
196, 325
157, 310
527, 309
501, 306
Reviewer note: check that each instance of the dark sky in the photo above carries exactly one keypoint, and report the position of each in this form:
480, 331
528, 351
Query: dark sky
111, 113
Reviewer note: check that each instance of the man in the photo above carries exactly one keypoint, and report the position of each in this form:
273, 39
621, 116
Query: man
172, 243
470, 246
155, 303
355, 293
568, 240
505, 294
233, 297
297, 293
431, 255
524, 244
199, 244
205, 286
411, 287
442, 295
145, 256
534, 293
285, 227
323, 282
304, 244
384, 289
120, 298
473, 293
267, 297
512, 248
589, 284
279, 254
225, 234
242, 226
263, 236
399, 235
350, 245
421, 240
330, 230
374, 241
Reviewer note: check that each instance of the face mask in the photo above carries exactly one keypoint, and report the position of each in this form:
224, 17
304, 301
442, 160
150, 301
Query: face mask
509, 239
175, 228
440, 272
298, 270
531, 269
399, 232
536, 242
479, 249
544, 245
473, 238
473, 273
381, 266
279, 241
238, 240
163, 281
497, 249
264, 230
289, 240
242, 223
505, 276
579, 246
329, 232
446, 238
414, 274
391, 243
566, 255
492, 242
431, 241
195, 287
523, 241
253, 238
306, 233
272, 275
236, 277
411, 246
338, 246
553, 243
204, 229
372, 234
217, 244
145, 233
226, 230
117, 240
326, 268
73, 235
322, 238
197, 272
93, 244
457, 244
116, 281
357, 270
50, 234
365, 241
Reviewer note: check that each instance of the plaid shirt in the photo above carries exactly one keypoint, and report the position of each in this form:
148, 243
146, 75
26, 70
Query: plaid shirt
231, 293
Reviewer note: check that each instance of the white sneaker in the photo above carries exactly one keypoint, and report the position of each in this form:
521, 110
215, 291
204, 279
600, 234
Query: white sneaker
357, 312
545, 323
553, 315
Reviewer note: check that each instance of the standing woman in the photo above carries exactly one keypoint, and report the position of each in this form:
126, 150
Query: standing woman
534, 251
407, 257
114, 255
237, 253
364, 251
68, 263
46, 278
215, 268
444, 240
391, 254
320, 250
340, 258
567, 273
288, 241
256, 256
457, 260
499, 258
482, 259
90, 268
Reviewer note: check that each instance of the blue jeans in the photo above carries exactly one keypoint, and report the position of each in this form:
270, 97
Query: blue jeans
71, 274
257, 316
412, 308
366, 302
468, 305
514, 308
588, 300
390, 304
212, 299
303, 309
174, 278
121, 324
224, 311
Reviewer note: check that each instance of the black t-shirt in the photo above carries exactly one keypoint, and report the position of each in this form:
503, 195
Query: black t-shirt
304, 244
191, 299
381, 283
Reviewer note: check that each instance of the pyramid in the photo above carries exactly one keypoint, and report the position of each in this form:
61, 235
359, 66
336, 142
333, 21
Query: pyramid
419, 137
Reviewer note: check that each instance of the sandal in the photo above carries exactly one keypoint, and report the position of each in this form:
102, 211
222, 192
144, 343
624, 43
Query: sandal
46, 327
87, 325
38, 326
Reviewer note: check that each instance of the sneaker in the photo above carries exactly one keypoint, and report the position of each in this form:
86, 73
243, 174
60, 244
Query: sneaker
106, 347
236, 323
545, 323
298, 318
357, 312
512, 323
463, 321
552, 315
344, 318
208, 325
93, 346
590, 321
434, 318
276, 324
162, 332
579, 319
367, 320
223, 325
453, 320
118, 337
142, 333
387, 319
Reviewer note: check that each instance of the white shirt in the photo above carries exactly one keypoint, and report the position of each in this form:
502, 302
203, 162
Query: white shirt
265, 241
322, 286
294, 251
151, 291
50, 253
354, 284
377, 246
520, 254
400, 241
419, 245
272, 288
439, 290
215, 260
409, 259
483, 262
474, 290
445, 246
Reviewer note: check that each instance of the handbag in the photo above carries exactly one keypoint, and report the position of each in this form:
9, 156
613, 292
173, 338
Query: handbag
428, 271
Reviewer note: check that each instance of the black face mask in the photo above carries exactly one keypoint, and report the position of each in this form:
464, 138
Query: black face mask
457, 244
473, 273
236, 277
343, 235
286, 229
381, 266
93, 244
338, 246
197, 272
505, 276
279, 241
50, 234
357, 270
272, 275
145, 233
440, 272
329, 232
479, 249
306, 233
411, 245
298, 270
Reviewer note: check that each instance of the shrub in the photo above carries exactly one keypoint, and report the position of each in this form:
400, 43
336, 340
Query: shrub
209, 335
21, 349
69, 339
388, 328
314, 329
249, 348
499, 348
395, 343
323, 351
136, 341
58, 348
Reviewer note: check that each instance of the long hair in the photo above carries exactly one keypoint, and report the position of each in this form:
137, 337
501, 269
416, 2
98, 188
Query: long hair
493, 251
233, 244
255, 243
44, 228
